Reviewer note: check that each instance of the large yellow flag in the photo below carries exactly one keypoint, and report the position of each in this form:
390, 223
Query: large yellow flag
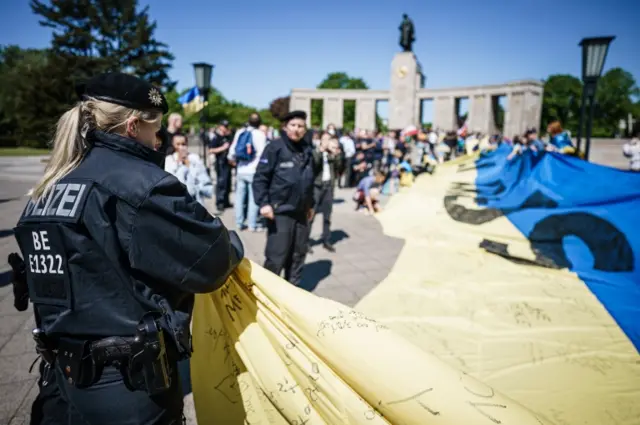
266, 352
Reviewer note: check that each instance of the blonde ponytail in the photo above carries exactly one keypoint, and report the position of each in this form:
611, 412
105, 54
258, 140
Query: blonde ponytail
68, 149
69, 144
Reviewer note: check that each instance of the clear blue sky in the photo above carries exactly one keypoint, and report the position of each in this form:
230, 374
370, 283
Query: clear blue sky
263, 48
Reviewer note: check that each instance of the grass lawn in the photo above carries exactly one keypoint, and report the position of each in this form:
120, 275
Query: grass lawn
23, 151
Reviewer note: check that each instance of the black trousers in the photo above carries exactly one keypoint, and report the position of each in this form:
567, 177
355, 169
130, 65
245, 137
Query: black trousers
348, 172
323, 196
108, 401
287, 238
223, 183
48, 408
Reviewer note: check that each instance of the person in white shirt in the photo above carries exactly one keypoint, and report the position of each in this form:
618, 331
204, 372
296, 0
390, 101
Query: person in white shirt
245, 170
189, 169
349, 151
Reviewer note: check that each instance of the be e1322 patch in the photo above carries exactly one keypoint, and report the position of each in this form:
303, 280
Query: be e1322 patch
46, 264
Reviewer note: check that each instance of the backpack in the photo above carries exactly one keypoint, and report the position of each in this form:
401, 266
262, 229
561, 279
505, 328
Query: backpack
245, 151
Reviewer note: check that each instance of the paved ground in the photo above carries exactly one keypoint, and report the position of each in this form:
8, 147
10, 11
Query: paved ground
364, 257
608, 152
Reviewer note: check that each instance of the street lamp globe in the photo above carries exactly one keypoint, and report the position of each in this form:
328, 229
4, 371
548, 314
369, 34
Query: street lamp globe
594, 53
203, 75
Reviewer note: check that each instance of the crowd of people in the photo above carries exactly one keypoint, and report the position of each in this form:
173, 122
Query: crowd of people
270, 167
373, 164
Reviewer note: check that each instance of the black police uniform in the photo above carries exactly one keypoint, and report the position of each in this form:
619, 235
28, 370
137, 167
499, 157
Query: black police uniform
223, 171
117, 247
284, 180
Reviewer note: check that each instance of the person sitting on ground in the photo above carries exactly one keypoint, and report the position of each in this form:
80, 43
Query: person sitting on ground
189, 169
360, 167
368, 192
559, 140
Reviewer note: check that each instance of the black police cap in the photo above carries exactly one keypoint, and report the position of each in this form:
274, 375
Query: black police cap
126, 90
294, 114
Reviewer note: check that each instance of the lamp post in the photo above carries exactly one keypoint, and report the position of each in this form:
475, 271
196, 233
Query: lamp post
203, 82
594, 53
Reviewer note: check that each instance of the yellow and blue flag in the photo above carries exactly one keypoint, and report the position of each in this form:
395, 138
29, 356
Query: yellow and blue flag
514, 301
524, 274
192, 101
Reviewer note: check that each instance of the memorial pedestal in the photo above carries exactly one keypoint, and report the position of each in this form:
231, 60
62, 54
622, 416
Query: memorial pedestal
406, 80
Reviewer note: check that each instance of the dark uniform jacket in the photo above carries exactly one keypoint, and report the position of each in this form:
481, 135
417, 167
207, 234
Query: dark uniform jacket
284, 177
116, 238
336, 165
216, 142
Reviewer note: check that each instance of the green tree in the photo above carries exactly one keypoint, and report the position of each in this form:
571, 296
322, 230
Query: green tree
34, 91
561, 101
106, 35
279, 107
338, 80
614, 96
218, 108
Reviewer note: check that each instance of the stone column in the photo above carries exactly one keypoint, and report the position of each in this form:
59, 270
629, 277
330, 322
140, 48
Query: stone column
405, 81
514, 119
444, 113
480, 113
301, 103
366, 114
418, 111
533, 108
332, 112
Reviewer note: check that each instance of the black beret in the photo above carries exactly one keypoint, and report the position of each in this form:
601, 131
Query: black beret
126, 90
294, 114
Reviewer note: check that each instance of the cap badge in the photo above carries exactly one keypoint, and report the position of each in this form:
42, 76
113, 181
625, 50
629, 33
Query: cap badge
155, 97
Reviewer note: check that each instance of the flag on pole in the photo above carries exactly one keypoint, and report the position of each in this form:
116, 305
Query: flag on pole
192, 101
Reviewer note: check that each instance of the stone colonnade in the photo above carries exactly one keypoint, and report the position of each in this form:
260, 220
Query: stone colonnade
333, 105
524, 106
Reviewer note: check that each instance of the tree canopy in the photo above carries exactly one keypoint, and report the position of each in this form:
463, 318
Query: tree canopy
279, 107
34, 91
89, 37
338, 80
106, 36
218, 108
615, 96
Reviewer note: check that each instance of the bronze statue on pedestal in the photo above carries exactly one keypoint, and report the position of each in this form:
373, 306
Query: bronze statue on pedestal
407, 33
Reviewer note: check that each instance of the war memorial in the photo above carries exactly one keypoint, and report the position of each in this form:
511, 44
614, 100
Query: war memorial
407, 92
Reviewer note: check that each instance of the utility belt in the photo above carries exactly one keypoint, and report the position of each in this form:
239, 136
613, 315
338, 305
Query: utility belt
143, 359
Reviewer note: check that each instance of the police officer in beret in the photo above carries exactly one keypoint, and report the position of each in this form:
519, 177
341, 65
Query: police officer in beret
283, 189
114, 249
